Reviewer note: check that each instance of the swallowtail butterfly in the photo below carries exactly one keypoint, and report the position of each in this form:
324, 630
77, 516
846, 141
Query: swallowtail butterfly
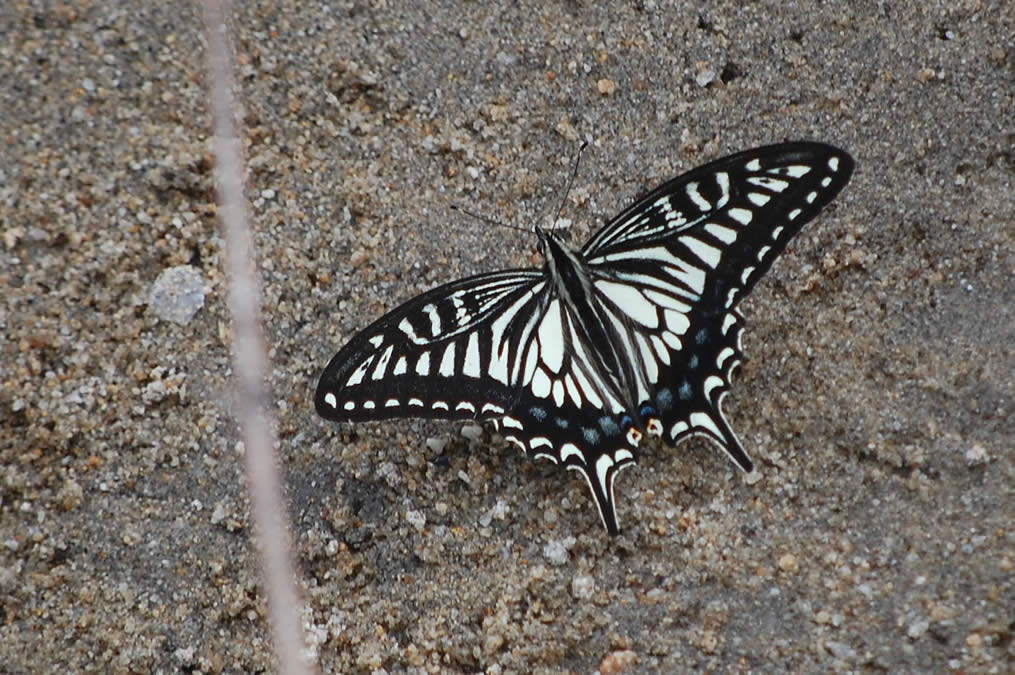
637, 333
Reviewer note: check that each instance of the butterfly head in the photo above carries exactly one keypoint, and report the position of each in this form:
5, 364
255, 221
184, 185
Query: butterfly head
542, 235
551, 245
547, 238
545, 245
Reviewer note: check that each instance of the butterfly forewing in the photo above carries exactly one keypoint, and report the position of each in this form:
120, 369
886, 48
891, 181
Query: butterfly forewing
637, 333
717, 229
451, 353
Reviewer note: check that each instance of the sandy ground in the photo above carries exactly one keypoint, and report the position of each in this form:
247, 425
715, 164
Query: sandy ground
878, 397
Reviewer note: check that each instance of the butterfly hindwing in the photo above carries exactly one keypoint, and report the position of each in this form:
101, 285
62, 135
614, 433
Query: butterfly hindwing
682, 358
586, 439
636, 333
689, 398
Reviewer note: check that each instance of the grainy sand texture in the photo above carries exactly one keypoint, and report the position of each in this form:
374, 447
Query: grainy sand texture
877, 398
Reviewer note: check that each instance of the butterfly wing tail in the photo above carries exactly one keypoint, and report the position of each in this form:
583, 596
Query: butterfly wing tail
713, 426
600, 478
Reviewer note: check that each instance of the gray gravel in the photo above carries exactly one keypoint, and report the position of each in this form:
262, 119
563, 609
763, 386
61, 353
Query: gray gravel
878, 398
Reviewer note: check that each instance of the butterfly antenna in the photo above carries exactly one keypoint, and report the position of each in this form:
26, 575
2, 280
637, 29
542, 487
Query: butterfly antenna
486, 219
570, 183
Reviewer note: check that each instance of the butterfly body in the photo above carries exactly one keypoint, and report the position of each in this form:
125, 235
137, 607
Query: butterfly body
636, 333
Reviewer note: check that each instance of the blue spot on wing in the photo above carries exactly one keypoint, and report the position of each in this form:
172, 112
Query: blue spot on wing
609, 426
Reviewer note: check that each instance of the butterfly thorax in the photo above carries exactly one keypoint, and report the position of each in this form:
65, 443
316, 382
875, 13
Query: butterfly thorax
572, 281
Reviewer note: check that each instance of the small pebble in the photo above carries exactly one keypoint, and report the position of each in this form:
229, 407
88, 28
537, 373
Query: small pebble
917, 629
177, 294
617, 661
472, 432
437, 444
705, 76
788, 563
417, 519
583, 586
606, 86
555, 552
976, 455
840, 650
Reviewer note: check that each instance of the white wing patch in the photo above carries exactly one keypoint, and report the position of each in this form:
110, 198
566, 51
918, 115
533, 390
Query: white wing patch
742, 216
551, 342
773, 184
710, 255
723, 234
382, 363
471, 366
435, 320
631, 300
573, 390
795, 170
694, 194
358, 374
558, 392
666, 301
447, 368
540, 383
410, 332
423, 364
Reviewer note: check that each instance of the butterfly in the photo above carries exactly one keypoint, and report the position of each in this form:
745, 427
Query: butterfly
634, 334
